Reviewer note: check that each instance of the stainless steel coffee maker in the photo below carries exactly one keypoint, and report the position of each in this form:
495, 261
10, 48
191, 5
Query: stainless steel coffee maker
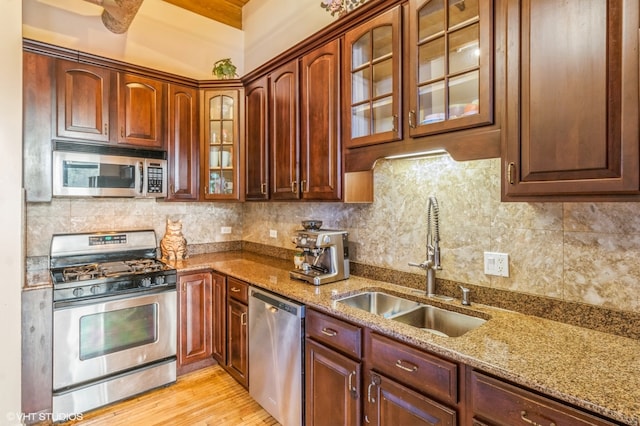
325, 251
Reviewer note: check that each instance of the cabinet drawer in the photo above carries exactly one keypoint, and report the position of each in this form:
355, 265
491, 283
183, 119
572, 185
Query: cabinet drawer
424, 372
238, 290
335, 333
499, 403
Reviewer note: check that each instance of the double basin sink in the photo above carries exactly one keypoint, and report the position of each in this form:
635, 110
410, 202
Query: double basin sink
436, 320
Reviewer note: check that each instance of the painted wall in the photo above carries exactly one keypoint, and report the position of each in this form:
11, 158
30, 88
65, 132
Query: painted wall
273, 26
161, 36
11, 223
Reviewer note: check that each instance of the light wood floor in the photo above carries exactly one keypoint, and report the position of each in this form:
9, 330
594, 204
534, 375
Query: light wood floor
204, 397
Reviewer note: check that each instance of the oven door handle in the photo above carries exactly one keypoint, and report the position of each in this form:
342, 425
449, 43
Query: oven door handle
141, 172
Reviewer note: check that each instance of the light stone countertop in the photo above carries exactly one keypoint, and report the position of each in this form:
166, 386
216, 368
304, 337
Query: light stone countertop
597, 371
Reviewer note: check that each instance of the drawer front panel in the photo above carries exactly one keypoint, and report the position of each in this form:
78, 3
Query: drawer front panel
335, 333
238, 290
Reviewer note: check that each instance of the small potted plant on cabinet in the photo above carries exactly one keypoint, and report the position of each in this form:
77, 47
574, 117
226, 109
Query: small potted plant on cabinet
224, 69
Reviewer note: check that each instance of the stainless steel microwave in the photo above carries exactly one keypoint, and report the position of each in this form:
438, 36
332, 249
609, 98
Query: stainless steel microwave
102, 171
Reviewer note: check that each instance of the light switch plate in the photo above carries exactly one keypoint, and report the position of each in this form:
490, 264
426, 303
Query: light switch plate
225, 230
273, 233
496, 264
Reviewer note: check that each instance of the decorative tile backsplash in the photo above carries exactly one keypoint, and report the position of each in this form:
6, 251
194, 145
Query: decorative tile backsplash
577, 252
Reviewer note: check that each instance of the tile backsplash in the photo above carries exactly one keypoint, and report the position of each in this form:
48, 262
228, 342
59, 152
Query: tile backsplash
577, 252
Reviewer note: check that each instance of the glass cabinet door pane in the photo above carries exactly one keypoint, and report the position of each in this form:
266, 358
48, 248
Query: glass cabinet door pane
462, 11
214, 157
383, 115
360, 121
431, 19
382, 41
382, 78
464, 92
431, 60
227, 132
431, 103
215, 108
215, 132
464, 49
227, 108
360, 85
360, 51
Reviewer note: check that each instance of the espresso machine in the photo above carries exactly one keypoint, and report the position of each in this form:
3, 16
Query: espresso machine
325, 252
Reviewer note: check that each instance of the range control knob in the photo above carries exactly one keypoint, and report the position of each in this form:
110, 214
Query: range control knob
95, 289
146, 282
159, 280
77, 292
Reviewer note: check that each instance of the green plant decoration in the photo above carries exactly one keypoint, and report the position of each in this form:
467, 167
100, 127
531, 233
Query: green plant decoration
224, 69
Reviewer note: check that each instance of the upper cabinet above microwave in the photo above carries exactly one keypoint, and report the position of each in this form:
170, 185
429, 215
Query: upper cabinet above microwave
84, 99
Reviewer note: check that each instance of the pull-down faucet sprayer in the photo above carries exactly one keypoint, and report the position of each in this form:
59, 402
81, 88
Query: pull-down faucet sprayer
433, 246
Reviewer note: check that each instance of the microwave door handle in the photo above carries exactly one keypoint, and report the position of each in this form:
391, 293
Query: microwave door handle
141, 170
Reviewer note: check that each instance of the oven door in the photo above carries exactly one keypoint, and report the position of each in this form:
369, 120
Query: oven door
97, 338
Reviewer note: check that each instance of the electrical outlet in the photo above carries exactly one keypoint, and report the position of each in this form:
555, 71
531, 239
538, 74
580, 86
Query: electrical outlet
273, 233
225, 230
496, 264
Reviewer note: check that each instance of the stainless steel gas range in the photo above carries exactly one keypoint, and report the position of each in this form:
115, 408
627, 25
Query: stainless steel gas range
114, 318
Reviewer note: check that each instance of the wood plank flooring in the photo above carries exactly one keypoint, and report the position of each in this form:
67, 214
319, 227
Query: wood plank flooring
204, 397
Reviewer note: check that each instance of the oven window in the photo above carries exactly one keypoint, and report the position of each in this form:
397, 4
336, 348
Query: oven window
81, 174
113, 331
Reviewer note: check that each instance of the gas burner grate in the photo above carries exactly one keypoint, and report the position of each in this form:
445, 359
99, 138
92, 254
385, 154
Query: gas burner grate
82, 273
145, 265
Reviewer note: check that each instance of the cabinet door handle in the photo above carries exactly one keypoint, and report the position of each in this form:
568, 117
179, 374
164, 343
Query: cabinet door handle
172, 188
523, 416
106, 129
243, 319
412, 119
263, 188
122, 132
352, 390
293, 186
329, 332
303, 186
510, 169
394, 123
409, 367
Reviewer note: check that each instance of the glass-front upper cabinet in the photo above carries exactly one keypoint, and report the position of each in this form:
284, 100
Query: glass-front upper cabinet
220, 162
373, 86
450, 82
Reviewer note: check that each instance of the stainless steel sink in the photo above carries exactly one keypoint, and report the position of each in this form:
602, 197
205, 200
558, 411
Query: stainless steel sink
436, 320
379, 303
440, 321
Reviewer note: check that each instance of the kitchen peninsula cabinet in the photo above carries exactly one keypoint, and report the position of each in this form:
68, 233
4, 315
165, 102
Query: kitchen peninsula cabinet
572, 96
221, 140
256, 141
182, 141
194, 321
140, 111
237, 335
333, 391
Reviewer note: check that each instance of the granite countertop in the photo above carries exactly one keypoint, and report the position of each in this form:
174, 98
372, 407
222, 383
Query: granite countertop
590, 369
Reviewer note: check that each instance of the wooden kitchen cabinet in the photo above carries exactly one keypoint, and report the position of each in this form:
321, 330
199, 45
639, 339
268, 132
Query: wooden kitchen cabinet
497, 403
333, 391
140, 111
372, 104
572, 96
283, 132
320, 147
194, 321
221, 141
237, 336
256, 141
219, 317
183, 144
82, 101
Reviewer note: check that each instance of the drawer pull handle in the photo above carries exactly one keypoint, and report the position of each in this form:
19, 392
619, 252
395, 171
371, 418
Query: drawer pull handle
410, 367
523, 416
329, 332
235, 290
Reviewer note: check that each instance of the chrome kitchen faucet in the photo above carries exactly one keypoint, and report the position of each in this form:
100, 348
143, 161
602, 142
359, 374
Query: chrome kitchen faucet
433, 247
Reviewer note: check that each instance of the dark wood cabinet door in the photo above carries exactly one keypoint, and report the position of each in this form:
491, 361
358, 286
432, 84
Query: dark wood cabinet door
389, 403
82, 98
283, 132
140, 106
372, 88
320, 156
332, 387
237, 341
194, 331
183, 143
572, 99
219, 317
256, 141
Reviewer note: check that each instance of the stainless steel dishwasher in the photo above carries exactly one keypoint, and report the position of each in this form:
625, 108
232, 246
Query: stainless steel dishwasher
276, 336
